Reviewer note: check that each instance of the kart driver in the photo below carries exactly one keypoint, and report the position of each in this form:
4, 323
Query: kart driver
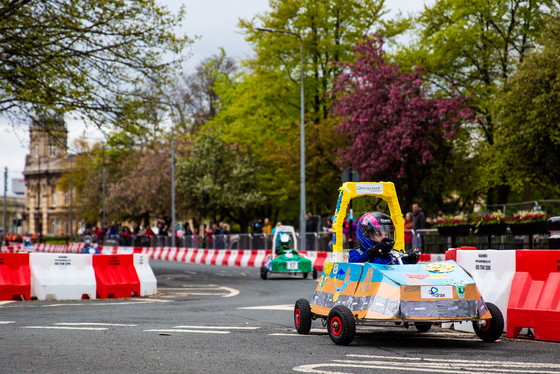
375, 232
285, 244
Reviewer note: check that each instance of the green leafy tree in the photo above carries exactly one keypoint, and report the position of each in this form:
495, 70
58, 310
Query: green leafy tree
529, 136
261, 107
82, 57
228, 172
476, 45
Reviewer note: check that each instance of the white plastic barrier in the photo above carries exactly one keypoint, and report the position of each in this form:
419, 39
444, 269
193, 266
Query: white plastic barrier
148, 281
62, 276
493, 272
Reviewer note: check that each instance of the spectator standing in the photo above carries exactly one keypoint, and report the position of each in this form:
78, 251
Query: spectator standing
408, 226
328, 229
419, 223
187, 229
257, 230
267, 231
310, 228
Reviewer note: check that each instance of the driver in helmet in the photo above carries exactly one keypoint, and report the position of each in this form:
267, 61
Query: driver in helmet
375, 235
285, 244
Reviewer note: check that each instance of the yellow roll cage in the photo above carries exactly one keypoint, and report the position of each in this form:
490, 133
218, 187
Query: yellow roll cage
350, 190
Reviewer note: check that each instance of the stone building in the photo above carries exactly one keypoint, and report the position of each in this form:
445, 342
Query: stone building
47, 207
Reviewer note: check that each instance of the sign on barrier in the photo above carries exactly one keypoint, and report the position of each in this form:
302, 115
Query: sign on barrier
493, 272
148, 281
62, 276
115, 276
15, 276
534, 300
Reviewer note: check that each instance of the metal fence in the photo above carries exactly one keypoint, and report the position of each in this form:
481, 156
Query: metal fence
432, 242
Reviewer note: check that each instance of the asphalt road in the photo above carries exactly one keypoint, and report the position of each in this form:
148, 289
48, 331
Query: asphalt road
209, 319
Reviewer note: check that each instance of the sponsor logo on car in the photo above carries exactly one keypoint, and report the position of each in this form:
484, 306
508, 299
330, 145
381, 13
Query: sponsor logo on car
439, 292
373, 188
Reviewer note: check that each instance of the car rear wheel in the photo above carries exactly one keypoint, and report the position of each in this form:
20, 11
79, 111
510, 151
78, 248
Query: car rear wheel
305, 275
341, 325
314, 273
302, 316
264, 273
423, 326
491, 329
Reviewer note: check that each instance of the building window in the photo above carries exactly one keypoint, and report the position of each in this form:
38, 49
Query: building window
54, 199
39, 199
66, 198
52, 150
36, 151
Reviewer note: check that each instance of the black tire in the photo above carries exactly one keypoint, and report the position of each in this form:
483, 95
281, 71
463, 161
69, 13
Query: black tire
305, 275
341, 325
423, 326
302, 316
314, 273
264, 272
492, 329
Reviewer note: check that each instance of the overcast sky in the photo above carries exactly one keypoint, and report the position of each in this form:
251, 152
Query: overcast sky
214, 21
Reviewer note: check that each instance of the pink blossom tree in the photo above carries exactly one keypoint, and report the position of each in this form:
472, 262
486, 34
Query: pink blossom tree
396, 129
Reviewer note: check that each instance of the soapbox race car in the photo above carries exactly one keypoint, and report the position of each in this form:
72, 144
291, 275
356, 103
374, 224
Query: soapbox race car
394, 294
285, 258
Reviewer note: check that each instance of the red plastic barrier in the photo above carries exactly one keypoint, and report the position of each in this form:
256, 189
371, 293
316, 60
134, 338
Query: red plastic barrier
116, 276
534, 301
15, 276
452, 253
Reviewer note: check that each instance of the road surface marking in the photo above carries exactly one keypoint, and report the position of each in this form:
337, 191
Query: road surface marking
108, 304
232, 291
503, 363
430, 365
270, 307
6, 322
6, 302
92, 324
216, 327
186, 290
198, 331
65, 328
287, 334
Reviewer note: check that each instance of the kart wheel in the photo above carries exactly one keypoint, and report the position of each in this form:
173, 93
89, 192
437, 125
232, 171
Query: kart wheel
314, 273
423, 326
490, 330
302, 316
341, 325
264, 272
305, 275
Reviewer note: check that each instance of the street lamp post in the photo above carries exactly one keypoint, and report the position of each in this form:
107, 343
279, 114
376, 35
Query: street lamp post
71, 198
302, 139
172, 188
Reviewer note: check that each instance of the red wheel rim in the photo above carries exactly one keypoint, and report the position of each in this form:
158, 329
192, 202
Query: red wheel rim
336, 326
486, 326
297, 316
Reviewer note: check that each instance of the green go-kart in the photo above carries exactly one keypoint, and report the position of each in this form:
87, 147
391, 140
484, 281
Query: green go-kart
284, 258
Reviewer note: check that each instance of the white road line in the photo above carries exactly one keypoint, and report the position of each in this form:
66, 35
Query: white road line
198, 294
217, 327
6, 302
431, 365
198, 331
502, 363
232, 291
287, 334
92, 324
187, 288
65, 328
106, 304
6, 322
270, 307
